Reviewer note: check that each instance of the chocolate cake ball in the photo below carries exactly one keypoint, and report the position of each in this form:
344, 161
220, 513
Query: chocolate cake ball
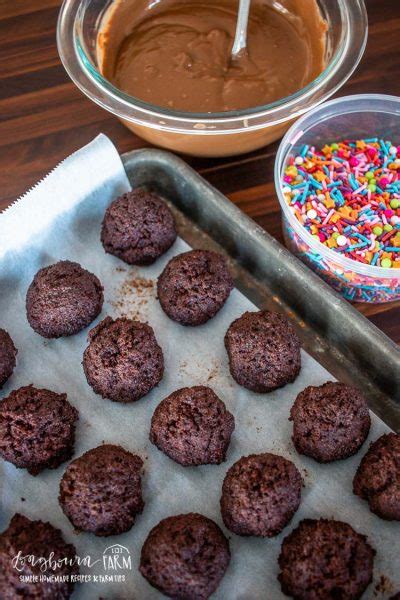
378, 477
138, 227
8, 353
37, 429
260, 495
263, 351
193, 427
39, 539
325, 559
123, 361
101, 491
330, 421
194, 286
185, 557
63, 299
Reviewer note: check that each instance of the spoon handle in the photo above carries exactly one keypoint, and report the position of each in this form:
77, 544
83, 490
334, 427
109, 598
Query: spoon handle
240, 42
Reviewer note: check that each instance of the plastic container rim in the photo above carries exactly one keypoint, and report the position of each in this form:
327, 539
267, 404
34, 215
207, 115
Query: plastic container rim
292, 137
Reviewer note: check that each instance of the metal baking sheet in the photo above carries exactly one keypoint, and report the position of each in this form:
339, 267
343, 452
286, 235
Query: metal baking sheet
268, 276
331, 329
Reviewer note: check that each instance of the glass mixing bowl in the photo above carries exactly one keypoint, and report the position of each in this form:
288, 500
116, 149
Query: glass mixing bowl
209, 134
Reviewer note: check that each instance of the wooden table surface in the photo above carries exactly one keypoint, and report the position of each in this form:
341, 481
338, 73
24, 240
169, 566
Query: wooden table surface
44, 117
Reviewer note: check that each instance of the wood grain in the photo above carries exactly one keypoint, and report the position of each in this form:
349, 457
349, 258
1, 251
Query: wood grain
43, 117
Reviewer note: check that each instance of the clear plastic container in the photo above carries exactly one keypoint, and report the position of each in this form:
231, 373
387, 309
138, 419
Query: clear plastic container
352, 117
209, 134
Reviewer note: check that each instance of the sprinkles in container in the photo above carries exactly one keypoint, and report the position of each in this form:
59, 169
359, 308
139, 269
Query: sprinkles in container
337, 176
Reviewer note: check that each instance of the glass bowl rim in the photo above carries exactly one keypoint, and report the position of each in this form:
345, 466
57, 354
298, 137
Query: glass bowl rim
336, 67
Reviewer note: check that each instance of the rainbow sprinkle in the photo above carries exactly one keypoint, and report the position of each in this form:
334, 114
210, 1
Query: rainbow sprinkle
347, 196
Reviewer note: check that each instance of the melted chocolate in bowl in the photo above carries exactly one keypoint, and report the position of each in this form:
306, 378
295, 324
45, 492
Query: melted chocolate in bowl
177, 54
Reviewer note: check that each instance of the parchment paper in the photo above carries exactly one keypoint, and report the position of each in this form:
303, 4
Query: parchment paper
60, 219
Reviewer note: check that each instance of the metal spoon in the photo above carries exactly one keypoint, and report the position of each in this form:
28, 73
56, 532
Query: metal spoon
240, 42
